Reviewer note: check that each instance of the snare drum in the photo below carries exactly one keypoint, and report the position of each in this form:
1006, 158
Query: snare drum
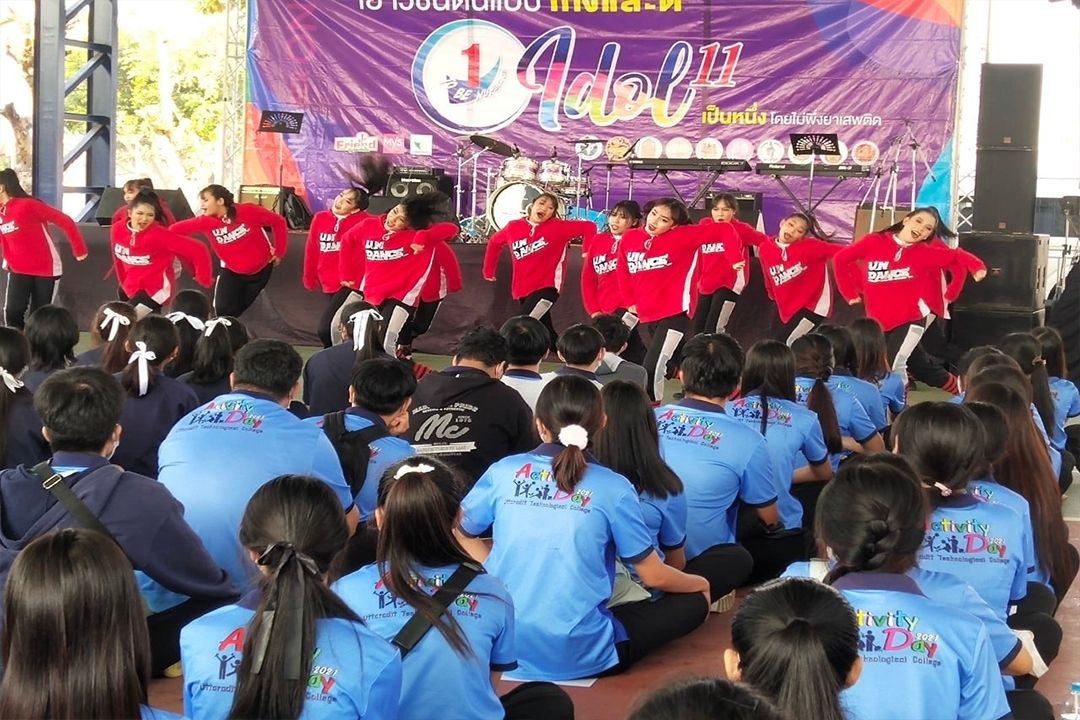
518, 169
554, 173
578, 186
511, 202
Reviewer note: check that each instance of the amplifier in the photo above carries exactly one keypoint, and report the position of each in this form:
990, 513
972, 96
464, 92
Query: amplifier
1015, 272
271, 197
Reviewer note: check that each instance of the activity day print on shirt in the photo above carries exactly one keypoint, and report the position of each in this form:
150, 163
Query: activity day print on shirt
661, 79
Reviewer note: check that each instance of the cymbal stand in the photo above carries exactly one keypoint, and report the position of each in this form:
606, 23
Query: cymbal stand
917, 154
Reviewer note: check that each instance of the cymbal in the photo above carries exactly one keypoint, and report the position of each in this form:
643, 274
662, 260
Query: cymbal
489, 143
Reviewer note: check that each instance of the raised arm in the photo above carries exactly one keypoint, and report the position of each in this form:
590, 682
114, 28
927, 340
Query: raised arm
195, 253
193, 226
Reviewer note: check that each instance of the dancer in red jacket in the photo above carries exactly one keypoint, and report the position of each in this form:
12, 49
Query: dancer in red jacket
895, 271
131, 189
600, 289
237, 235
796, 274
143, 250
721, 293
538, 246
30, 254
659, 267
444, 279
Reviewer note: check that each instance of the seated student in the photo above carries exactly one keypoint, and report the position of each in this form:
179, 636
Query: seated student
108, 333
844, 374
581, 350
1063, 391
189, 311
212, 365
291, 648
327, 372
797, 641
813, 369
707, 698
154, 401
527, 343
792, 435
562, 627
720, 461
616, 336
629, 444
458, 661
21, 441
218, 455
52, 337
464, 415
872, 364
872, 519
75, 642
80, 409
1025, 469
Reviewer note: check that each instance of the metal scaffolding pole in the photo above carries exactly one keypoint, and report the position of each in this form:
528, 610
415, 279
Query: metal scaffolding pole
234, 100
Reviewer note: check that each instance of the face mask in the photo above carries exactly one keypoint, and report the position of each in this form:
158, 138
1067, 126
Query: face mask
113, 451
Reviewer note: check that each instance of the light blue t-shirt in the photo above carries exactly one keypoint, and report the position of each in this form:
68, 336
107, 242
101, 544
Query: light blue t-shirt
983, 544
893, 391
938, 657
666, 520
435, 677
850, 415
1066, 405
385, 452
218, 455
793, 432
721, 463
865, 392
354, 672
990, 490
556, 553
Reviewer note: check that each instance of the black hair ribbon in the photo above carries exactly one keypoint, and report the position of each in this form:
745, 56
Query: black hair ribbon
277, 556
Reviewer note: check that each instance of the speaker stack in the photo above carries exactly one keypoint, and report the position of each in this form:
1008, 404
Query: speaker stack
1012, 298
406, 183
112, 198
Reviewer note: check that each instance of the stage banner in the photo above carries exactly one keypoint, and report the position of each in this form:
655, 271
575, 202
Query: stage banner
648, 79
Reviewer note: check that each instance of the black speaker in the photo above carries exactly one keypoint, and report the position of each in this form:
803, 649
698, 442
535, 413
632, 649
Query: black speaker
1015, 272
407, 182
1009, 103
112, 199
1005, 190
382, 204
971, 328
882, 218
271, 197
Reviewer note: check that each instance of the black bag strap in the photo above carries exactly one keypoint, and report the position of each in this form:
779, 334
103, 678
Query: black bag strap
353, 447
418, 626
54, 483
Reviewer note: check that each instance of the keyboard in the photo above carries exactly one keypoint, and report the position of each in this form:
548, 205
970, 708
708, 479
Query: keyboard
688, 165
835, 171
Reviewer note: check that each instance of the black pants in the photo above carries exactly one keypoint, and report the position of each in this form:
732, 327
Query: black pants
1065, 478
538, 701
234, 293
650, 625
714, 311
1035, 613
1029, 705
529, 303
726, 567
666, 339
165, 629
906, 353
772, 554
635, 346
143, 298
397, 317
420, 322
1070, 573
800, 324
334, 301
25, 294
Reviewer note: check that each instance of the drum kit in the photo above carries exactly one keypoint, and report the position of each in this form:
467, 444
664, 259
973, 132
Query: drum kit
514, 182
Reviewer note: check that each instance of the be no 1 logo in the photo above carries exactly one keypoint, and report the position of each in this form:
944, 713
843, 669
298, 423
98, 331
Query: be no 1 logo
465, 79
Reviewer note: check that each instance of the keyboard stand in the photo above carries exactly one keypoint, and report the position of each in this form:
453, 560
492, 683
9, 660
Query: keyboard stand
702, 190
813, 206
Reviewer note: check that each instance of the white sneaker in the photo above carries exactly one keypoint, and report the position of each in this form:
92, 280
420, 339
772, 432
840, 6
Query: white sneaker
723, 604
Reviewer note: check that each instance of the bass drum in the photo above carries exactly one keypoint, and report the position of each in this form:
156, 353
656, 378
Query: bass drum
511, 202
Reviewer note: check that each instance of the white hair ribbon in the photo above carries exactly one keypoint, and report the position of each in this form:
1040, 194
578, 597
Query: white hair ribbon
406, 469
574, 435
144, 357
360, 322
211, 324
176, 317
13, 383
113, 320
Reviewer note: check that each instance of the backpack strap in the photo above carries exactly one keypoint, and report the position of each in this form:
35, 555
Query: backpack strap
353, 447
54, 483
418, 626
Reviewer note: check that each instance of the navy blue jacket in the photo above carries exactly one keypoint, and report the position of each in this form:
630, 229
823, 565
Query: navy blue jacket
206, 393
327, 377
26, 444
147, 420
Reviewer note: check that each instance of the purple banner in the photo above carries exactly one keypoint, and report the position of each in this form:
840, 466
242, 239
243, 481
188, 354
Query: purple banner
667, 79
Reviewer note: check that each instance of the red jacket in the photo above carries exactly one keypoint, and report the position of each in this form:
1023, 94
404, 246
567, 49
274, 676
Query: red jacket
144, 260
24, 236
720, 252
538, 252
445, 276
389, 266
322, 252
748, 236
241, 244
797, 276
599, 282
895, 280
659, 274
942, 286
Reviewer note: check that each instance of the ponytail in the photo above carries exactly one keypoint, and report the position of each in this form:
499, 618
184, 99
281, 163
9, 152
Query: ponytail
366, 330
371, 179
152, 342
14, 355
813, 359
296, 525
1026, 350
571, 409
419, 499
189, 312
112, 325
215, 349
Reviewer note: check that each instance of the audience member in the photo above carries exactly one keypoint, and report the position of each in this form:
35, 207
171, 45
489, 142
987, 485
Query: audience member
616, 336
327, 372
53, 335
189, 311
527, 343
108, 333
21, 441
705, 699
212, 365
581, 350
